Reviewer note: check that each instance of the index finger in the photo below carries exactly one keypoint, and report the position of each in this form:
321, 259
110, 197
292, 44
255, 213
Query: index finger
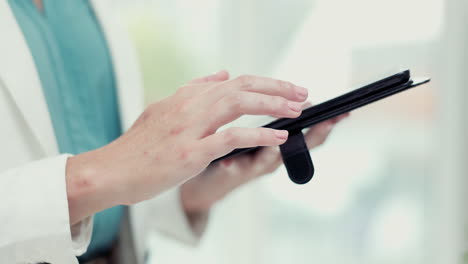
268, 86
217, 77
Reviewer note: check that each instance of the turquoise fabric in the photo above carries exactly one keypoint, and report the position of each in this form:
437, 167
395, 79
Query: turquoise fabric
75, 69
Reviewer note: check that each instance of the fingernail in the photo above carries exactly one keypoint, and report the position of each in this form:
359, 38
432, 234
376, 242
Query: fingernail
281, 134
296, 107
301, 92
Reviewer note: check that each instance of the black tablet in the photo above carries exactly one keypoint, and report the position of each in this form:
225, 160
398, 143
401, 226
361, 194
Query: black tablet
339, 105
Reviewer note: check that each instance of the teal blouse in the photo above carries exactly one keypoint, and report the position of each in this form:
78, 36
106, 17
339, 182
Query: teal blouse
75, 69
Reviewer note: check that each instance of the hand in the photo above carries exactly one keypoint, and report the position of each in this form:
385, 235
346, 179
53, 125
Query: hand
176, 139
219, 179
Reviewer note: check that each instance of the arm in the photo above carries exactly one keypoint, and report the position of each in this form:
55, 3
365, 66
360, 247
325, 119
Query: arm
172, 141
175, 139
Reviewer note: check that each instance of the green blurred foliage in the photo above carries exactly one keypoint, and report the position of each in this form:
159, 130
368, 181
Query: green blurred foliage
166, 63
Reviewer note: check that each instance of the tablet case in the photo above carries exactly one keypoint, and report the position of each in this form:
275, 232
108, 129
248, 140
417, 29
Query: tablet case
296, 158
294, 151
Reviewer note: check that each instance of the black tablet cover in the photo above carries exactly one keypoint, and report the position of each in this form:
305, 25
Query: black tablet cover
295, 153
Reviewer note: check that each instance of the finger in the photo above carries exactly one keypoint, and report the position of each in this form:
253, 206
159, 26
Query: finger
340, 117
199, 85
264, 161
267, 160
221, 143
267, 86
318, 134
249, 167
234, 106
220, 76
307, 104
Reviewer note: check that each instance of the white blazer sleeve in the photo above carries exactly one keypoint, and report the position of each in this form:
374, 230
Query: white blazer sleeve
34, 219
166, 214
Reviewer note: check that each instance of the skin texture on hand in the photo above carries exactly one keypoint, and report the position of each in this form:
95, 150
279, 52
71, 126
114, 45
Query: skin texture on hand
176, 138
200, 193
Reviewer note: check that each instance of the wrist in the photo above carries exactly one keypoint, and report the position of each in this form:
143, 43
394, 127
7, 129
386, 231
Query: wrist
87, 191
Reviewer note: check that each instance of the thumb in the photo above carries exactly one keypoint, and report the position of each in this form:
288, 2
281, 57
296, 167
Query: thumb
220, 76
307, 104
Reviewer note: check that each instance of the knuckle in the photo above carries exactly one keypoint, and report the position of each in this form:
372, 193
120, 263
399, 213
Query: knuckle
183, 106
181, 152
234, 101
262, 103
262, 136
147, 114
186, 157
178, 129
277, 105
284, 85
200, 155
230, 137
245, 81
281, 104
183, 89
205, 158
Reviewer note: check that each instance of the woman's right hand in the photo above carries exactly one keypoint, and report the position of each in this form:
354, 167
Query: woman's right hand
176, 138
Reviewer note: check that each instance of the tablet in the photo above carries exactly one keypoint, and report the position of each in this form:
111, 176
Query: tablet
370, 93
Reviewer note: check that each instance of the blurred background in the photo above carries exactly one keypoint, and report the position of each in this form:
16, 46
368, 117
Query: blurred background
389, 184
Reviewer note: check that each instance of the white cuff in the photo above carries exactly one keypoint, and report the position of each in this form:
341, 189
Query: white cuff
166, 214
34, 219
81, 235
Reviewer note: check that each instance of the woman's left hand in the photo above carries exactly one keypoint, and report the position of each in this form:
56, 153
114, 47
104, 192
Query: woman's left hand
219, 179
